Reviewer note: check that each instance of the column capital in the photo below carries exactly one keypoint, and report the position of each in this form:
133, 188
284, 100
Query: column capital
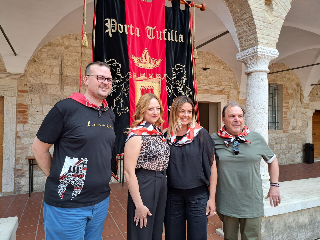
257, 59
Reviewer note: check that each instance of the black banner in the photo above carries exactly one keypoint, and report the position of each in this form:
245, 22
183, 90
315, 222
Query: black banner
111, 46
179, 54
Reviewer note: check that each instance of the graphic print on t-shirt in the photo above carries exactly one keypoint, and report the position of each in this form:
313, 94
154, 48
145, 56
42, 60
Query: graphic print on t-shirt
74, 173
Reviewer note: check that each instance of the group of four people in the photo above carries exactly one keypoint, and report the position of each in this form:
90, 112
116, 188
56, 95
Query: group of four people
171, 175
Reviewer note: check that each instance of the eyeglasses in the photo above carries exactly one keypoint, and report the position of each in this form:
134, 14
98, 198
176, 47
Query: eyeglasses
102, 79
235, 147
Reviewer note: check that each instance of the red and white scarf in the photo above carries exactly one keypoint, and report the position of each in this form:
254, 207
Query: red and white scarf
191, 133
145, 129
80, 98
230, 138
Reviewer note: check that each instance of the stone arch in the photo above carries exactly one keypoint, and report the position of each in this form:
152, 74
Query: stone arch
258, 22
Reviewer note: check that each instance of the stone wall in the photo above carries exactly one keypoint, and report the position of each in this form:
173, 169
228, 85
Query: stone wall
2, 66
219, 79
303, 224
297, 118
41, 87
314, 95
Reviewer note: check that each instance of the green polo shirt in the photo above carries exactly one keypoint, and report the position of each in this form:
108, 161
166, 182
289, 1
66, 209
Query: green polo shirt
239, 188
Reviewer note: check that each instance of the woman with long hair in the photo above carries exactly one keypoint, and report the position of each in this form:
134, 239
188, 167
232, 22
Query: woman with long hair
146, 156
192, 174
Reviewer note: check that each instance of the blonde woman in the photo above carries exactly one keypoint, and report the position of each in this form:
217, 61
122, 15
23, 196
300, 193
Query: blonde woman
192, 174
146, 156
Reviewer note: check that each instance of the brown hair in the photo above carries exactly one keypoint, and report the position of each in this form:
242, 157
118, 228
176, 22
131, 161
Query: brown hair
175, 110
142, 106
101, 64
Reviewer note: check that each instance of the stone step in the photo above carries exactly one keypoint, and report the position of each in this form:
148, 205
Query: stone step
8, 228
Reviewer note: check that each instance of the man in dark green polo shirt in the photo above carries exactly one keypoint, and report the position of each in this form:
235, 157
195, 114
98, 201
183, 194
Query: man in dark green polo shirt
239, 188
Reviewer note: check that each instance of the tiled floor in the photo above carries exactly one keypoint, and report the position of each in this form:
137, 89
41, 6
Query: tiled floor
299, 171
29, 210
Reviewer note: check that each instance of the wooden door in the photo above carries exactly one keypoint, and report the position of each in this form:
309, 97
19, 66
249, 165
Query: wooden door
316, 133
1, 138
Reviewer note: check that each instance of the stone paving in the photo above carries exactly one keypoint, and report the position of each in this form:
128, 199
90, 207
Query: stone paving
29, 210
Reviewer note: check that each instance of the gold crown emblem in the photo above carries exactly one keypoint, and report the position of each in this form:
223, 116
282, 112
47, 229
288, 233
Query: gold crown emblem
145, 61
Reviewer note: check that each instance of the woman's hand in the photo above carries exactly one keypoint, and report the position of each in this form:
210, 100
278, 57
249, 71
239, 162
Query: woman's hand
211, 204
141, 215
211, 208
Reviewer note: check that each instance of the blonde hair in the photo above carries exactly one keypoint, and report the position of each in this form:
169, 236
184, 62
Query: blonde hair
142, 106
174, 113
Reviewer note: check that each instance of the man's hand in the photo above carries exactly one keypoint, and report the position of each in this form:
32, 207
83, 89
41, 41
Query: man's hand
41, 153
274, 195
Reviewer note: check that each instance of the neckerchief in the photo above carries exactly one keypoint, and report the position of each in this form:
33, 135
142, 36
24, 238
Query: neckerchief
145, 129
84, 101
191, 133
230, 138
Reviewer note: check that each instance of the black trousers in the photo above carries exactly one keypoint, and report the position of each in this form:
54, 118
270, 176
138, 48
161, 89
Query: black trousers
153, 191
187, 206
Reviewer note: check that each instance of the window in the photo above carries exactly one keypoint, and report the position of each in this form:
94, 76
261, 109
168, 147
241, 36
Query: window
275, 113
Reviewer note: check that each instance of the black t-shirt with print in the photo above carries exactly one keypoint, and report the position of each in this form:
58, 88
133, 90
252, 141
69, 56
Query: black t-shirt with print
81, 166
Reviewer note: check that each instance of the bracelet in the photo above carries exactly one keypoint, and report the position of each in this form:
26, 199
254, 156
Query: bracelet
274, 183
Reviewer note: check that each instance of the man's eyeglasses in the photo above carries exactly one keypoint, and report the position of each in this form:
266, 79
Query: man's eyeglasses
102, 79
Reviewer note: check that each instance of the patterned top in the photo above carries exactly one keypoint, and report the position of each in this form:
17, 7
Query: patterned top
154, 154
143, 129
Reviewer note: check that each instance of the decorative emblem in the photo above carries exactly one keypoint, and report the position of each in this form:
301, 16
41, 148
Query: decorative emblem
146, 85
145, 61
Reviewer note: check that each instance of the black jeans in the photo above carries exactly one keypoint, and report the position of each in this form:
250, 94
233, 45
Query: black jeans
183, 206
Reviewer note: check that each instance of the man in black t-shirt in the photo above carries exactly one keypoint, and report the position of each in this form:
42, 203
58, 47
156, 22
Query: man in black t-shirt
81, 128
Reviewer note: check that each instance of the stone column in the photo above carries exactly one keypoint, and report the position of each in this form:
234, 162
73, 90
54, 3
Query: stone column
257, 60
